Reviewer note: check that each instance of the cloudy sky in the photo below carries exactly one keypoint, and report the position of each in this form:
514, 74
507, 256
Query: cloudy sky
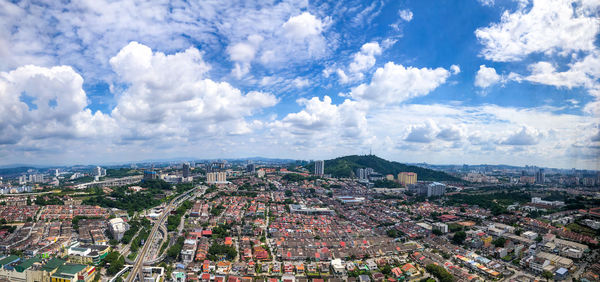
446, 82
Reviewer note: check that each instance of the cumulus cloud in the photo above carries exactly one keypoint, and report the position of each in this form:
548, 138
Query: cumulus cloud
243, 53
486, 77
299, 38
361, 62
303, 26
365, 59
451, 133
55, 105
421, 133
583, 73
561, 32
548, 26
168, 94
525, 137
396, 83
323, 124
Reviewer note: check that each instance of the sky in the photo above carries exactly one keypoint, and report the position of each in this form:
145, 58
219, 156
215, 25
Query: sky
442, 82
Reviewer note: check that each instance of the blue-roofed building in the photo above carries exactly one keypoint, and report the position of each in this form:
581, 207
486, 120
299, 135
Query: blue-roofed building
561, 274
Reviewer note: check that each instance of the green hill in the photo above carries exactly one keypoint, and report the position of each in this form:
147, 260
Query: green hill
345, 167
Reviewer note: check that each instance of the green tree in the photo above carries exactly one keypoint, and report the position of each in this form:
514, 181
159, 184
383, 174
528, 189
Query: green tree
499, 242
440, 273
459, 237
547, 275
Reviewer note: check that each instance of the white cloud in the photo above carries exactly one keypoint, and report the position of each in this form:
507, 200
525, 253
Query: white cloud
549, 26
450, 133
300, 82
396, 83
455, 69
303, 26
424, 133
181, 101
525, 137
85, 34
455, 133
46, 103
243, 53
486, 77
388, 42
583, 73
365, 59
405, 15
283, 83
488, 3
342, 76
362, 61
322, 123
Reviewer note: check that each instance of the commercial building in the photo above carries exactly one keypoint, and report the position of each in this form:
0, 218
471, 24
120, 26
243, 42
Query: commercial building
406, 178
87, 254
319, 167
538, 200
351, 199
302, 209
37, 269
118, 227
73, 273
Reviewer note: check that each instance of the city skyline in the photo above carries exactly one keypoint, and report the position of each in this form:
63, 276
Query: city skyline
469, 82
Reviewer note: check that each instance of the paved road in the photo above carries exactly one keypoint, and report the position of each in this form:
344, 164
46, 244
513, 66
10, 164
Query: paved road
136, 271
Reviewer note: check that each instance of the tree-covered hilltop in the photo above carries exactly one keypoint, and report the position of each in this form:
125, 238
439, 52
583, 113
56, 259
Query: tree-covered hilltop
345, 167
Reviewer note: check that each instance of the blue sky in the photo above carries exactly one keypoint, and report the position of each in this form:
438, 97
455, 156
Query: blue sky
482, 81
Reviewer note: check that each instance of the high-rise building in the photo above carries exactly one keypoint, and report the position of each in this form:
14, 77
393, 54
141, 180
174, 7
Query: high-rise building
319, 167
436, 189
36, 178
406, 178
540, 176
360, 173
148, 175
216, 177
186, 170
22, 179
97, 171
251, 168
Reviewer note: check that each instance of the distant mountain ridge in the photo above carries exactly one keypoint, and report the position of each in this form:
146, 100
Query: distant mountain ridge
345, 167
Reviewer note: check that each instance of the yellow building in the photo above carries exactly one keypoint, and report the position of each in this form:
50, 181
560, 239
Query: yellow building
406, 178
74, 273
487, 241
389, 177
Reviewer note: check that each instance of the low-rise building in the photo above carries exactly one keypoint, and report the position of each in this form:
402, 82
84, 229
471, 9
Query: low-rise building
87, 254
